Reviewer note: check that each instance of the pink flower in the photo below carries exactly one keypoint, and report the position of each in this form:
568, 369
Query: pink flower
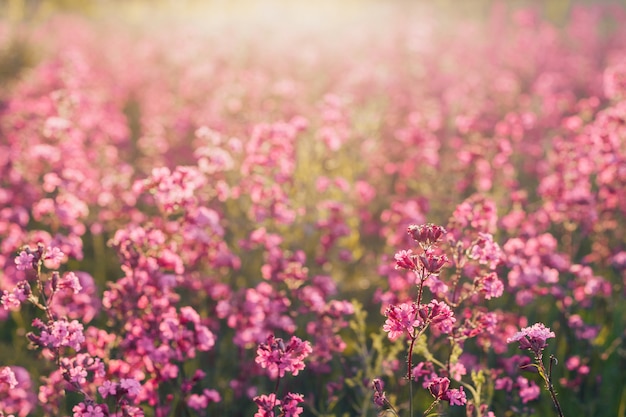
491, 286
14, 299
438, 387
91, 410
212, 395
24, 261
533, 337
201, 401
401, 319
197, 402
59, 333
8, 377
70, 281
615, 81
486, 251
433, 263
380, 399
290, 405
279, 358
426, 235
266, 404
440, 316
53, 257
131, 386
528, 390
205, 339
78, 375
422, 369
108, 388
406, 260
456, 396
457, 370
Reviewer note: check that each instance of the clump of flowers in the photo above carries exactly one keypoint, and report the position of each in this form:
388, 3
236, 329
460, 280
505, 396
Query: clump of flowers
280, 358
412, 319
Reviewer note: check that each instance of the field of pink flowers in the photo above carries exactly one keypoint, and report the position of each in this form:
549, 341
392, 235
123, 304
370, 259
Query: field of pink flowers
405, 218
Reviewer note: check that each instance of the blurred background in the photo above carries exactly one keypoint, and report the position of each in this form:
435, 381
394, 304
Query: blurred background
26, 10
326, 18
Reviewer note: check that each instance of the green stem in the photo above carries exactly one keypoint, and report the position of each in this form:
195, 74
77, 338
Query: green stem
547, 378
431, 407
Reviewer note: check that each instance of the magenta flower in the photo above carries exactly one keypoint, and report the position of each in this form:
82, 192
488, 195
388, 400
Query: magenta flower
491, 286
290, 405
279, 358
426, 234
266, 404
438, 387
433, 263
131, 386
380, 399
532, 338
406, 260
456, 396
59, 333
400, 319
440, 316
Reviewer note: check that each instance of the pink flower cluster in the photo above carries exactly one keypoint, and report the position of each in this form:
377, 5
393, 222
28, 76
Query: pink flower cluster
279, 357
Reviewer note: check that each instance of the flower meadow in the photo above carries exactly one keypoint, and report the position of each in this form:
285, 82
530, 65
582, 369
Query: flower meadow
386, 215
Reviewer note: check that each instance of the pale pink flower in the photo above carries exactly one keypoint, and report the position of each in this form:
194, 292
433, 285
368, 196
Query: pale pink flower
8, 377
53, 257
108, 388
70, 281
24, 261
131, 386
491, 286
533, 337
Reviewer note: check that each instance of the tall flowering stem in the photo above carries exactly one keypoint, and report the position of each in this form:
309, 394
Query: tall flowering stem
534, 338
279, 358
56, 334
412, 319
